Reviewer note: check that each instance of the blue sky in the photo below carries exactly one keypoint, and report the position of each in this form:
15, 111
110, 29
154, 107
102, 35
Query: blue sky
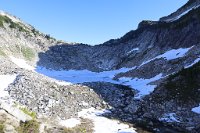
88, 21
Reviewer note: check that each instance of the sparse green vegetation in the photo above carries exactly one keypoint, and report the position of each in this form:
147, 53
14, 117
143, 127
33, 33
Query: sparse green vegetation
28, 112
13, 25
17, 26
4, 19
2, 52
25, 51
47, 37
28, 127
1, 128
28, 53
35, 32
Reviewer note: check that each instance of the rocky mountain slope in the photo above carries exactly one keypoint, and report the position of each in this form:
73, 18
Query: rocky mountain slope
148, 77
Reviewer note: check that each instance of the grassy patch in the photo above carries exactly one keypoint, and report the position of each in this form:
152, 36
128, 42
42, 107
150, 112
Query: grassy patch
1, 128
86, 126
13, 25
4, 19
28, 112
25, 51
28, 53
2, 53
28, 127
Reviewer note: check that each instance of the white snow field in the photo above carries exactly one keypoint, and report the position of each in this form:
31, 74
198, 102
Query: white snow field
5, 80
141, 85
21, 63
103, 124
81, 76
66, 77
70, 123
170, 55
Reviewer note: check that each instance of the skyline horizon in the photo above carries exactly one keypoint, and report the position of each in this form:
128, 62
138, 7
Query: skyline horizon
86, 32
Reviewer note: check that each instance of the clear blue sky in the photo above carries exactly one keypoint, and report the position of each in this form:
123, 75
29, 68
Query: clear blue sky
88, 21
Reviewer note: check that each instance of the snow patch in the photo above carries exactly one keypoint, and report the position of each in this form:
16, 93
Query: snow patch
195, 61
142, 85
196, 109
81, 76
84, 103
5, 80
169, 117
62, 83
133, 50
170, 55
21, 63
70, 123
103, 124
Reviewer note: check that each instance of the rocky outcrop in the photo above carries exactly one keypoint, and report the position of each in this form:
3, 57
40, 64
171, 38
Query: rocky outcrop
44, 96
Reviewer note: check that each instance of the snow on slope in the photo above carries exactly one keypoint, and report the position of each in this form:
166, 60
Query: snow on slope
169, 117
66, 77
195, 61
5, 80
133, 50
182, 14
21, 63
70, 123
196, 109
103, 124
141, 85
170, 55
81, 76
